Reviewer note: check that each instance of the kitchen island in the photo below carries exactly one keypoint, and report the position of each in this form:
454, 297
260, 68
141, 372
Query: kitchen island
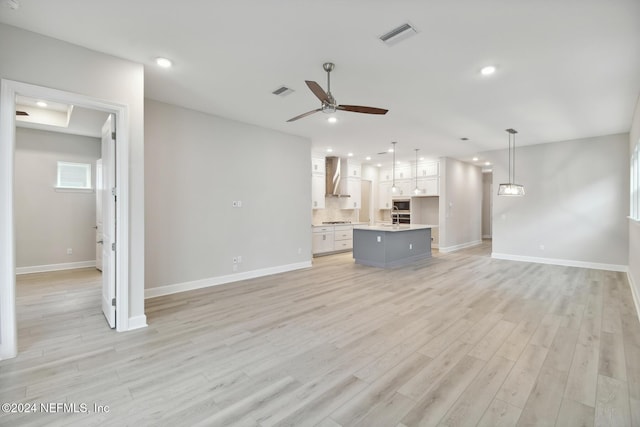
387, 245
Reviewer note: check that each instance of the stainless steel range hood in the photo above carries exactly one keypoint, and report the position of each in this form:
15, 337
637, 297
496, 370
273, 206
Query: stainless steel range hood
333, 177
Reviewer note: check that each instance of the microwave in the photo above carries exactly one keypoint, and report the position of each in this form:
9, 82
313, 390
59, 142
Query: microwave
402, 205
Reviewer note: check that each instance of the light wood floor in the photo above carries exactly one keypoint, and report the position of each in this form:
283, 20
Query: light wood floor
460, 339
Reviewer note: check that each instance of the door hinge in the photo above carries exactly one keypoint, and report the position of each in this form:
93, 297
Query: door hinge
113, 302
113, 135
114, 191
113, 246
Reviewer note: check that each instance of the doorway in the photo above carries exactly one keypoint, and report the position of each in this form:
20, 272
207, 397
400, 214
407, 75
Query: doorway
365, 203
8, 93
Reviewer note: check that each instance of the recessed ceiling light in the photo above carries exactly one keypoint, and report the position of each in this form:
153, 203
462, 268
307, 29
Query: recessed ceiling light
421, 158
332, 119
350, 154
475, 159
379, 165
487, 163
329, 150
164, 62
488, 70
390, 150
41, 104
368, 158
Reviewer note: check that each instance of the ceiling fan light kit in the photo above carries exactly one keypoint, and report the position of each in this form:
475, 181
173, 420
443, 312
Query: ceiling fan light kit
329, 104
511, 188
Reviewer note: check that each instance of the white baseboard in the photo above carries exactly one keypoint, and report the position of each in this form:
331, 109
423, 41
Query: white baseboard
635, 292
221, 280
460, 246
487, 236
563, 262
137, 322
55, 267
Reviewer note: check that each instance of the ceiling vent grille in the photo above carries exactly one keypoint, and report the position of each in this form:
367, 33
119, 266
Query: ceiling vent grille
398, 34
282, 91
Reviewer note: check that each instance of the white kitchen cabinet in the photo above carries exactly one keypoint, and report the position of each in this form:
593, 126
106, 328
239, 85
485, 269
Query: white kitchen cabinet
317, 191
351, 169
318, 165
429, 186
428, 169
329, 239
343, 238
322, 241
318, 182
384, 195
385, 175
353, 187
403, 172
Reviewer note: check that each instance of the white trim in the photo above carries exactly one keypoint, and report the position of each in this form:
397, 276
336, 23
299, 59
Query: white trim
55, 267
634, 293
8, 91
137, 322
460, 246
486, 236
563, 262
221, 280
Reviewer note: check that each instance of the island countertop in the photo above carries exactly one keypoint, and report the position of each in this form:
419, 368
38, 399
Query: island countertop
394, 227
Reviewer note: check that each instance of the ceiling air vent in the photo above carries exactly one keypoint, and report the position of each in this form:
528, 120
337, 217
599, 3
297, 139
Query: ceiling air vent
282, 91
398, 34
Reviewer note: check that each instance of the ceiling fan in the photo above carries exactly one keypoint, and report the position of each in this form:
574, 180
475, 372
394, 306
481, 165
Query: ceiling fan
329, 104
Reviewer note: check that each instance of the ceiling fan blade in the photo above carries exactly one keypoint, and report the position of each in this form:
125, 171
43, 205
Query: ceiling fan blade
317, 91
361, 109
308, 113
21, 113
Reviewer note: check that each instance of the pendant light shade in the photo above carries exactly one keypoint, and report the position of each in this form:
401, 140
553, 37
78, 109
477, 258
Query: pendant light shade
417, 191
511, 188
394, 189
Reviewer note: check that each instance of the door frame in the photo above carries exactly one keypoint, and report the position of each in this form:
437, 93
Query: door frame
8, 91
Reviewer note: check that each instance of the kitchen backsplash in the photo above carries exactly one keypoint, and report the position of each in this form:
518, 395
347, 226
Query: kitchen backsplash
332, 212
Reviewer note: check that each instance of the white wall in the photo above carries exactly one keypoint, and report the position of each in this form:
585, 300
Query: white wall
634, 226
32, 58
460, 205
576, 203
49, 221
196, 165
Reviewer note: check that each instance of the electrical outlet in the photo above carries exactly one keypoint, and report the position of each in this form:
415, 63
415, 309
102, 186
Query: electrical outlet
69, 251
379, 239
410, 246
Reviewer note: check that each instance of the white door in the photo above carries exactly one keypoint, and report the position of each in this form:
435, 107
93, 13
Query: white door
99, 193
108, 184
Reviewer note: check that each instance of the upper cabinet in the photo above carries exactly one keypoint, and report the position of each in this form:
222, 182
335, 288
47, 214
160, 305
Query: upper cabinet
428, 169
318, 183
350, 183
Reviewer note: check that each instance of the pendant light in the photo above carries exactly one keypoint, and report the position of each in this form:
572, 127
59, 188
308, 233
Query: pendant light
511, 188
416, 190
394, 189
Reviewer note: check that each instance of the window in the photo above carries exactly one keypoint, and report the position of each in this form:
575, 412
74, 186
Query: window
75, 176
634, 211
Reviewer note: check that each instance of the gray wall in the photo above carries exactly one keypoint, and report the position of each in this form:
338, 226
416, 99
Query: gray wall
32, 58
460, 204
49, 221
634, 226
196, 165
576, 202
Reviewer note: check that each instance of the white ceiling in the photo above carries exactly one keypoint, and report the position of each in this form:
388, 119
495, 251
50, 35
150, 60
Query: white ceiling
566, 69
